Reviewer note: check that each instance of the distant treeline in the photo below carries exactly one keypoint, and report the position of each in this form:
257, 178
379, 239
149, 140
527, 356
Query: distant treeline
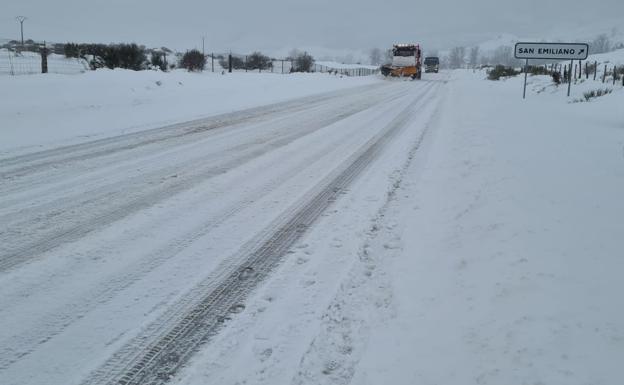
135, 57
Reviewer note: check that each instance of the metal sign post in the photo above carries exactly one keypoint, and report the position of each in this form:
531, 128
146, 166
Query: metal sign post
570, 77
526, 70
552, 51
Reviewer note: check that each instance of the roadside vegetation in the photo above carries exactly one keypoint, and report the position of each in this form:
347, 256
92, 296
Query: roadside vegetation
500, 71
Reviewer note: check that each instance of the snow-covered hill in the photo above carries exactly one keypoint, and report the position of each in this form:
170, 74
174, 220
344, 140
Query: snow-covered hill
613, 29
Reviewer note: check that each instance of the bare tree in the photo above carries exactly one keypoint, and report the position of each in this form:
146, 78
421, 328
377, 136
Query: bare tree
375, 56
293, 54
474, 56
388, 56
503, 55
303, 63
457, 57
601, 44
444, 62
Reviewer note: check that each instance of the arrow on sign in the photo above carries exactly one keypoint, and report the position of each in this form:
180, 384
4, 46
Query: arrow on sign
582, 51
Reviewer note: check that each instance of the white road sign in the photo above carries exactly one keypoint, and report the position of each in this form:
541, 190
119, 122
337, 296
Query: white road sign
554, 51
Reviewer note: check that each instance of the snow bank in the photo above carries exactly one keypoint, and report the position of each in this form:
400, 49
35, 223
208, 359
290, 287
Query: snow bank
52, 110
511, 235
336, 65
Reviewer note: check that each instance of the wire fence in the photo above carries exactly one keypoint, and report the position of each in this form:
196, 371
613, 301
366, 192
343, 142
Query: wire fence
284, 66
30, 63
350, 70
30, 60
219, 63
604, 72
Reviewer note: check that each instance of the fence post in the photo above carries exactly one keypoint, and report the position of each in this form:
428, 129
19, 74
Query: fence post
614, 74
526, 70
595, 69
570, 74
282, 66
580, 69
44, 59
245, 63
212, 60
586, 70
230, 63
604, 74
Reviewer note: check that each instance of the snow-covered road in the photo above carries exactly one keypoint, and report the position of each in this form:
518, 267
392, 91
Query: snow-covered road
120, 256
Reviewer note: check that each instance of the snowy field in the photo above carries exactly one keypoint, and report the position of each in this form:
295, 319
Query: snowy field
51, 110
310, 229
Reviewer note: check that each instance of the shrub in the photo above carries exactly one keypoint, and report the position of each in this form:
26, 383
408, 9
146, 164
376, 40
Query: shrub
538, 70
71, 50
501, 71
237, 62
258, 61
158, 60
589, 69
596, 93
302, 62
193, 60
131, 56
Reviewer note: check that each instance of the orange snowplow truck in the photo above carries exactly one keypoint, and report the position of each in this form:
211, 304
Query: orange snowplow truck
406, 61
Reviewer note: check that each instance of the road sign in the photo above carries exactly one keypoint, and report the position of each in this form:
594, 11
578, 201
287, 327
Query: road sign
554, 51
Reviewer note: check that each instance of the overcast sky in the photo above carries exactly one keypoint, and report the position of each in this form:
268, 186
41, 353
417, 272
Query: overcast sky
273, 25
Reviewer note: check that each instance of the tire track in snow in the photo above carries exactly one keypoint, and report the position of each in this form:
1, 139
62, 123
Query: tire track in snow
333, 355
57, 322
158, 353
63, 224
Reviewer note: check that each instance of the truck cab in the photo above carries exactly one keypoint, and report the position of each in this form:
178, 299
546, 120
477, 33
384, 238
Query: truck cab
432, 64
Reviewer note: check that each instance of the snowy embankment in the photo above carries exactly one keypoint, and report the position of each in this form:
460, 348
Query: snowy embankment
542, 85
496, 259
336, 65
50, 110
511, 263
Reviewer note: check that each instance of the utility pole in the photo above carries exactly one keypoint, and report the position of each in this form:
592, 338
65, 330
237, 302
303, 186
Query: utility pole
21, 20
